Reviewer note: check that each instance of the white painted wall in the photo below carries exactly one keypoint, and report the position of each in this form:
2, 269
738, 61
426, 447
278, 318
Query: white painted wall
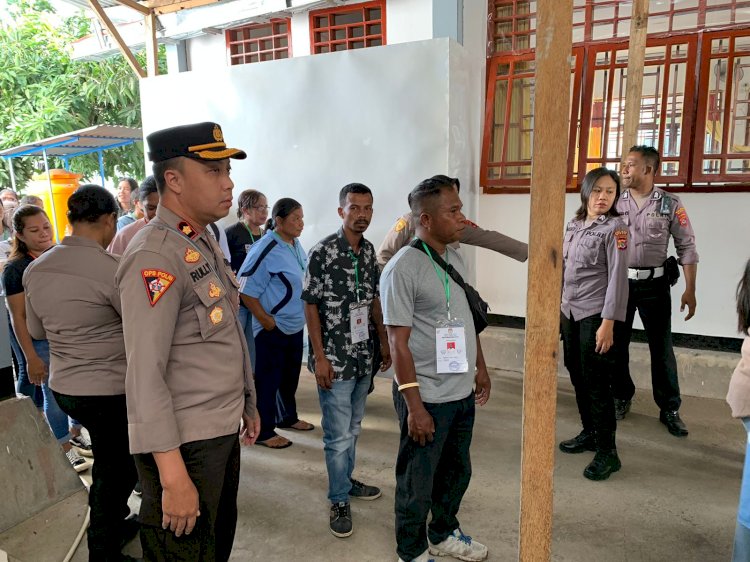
311, 125
408, 20
207, 52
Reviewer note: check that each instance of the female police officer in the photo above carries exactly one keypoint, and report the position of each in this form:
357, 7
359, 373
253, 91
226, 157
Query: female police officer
595, 297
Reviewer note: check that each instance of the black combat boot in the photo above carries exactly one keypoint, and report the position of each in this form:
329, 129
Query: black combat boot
584, 441
606, 460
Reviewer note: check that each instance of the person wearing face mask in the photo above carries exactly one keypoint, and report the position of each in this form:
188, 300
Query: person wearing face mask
271, 288
33, 238
81, 320
594, 302
252, 210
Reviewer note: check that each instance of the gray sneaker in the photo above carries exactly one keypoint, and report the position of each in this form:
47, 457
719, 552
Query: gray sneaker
341, 520
82, 443
78, 463
362, 491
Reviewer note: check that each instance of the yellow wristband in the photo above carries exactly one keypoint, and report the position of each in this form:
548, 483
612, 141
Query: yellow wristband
407, 385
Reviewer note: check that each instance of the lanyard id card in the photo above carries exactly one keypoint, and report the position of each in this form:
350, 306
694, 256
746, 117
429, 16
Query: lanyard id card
359, 313
450, 347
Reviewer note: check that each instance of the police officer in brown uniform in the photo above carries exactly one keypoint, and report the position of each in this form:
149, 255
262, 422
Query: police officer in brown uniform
403, 232
189, 382
594, 303
652, 216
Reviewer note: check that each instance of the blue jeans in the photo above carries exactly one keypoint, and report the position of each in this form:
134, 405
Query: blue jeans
742, 532
56, 418
246, 321
23, 384
343, 407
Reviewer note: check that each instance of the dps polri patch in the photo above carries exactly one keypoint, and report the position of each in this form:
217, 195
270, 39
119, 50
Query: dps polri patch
157, 282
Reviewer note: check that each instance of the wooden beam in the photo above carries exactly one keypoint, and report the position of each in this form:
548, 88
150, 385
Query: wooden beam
548, 177
634, 84
135, 6
152, 47
124, 49
168, 6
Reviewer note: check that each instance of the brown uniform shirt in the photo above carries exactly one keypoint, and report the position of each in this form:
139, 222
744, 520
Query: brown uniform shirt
595, 269
124, 236
404, 230
189, 376
72, 302
651, 225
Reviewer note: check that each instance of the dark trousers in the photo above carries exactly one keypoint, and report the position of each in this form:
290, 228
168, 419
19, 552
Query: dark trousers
652, 299
434, 477
278, 360
7, 384
591, 374
113, 474
214, 467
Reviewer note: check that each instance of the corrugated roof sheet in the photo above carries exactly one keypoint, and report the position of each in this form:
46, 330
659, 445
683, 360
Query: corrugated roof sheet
75, 143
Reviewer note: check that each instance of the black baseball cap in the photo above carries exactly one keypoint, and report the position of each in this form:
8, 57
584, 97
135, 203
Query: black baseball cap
202, 141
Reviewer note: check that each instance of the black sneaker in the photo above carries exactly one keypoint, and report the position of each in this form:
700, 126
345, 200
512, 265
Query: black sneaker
341, 520
584, 441
363, 491
604, 464
674, 423
622, 407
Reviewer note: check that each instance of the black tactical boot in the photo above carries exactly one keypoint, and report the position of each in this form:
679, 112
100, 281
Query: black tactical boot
584, 441
605, 463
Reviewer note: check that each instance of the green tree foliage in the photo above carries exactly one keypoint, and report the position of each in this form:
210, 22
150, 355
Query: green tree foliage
43, 92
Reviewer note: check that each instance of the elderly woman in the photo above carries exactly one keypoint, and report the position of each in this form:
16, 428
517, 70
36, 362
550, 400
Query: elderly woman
594, 300
738, 398
81, 320
252, 210
33, 238
271, 288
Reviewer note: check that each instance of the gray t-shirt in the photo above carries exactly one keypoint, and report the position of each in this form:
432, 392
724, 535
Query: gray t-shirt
412, 294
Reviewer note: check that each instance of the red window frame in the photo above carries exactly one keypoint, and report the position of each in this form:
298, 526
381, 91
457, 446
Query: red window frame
236, 42
322, 28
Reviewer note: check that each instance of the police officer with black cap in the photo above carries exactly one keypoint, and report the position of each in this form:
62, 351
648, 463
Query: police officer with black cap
189, 384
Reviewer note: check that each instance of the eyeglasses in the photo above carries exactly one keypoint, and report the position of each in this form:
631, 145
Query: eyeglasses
261, 208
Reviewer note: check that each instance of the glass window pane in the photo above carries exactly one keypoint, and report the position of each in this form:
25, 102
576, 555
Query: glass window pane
715, 106
718, 17
736, 166
711, 166
656, 53
675, 109
603, 31
658, 24
498, 127
720, 45
739, 133
520, 130
670, 168
687, 20
503, 69
517, 172
741, 44
679, 51
599, 111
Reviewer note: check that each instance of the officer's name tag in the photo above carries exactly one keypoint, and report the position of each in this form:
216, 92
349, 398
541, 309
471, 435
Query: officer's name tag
450, 347
358, 321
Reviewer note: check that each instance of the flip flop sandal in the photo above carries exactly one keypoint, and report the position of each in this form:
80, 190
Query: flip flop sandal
267, 443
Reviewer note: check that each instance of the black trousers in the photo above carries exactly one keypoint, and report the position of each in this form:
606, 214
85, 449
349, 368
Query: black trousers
278, 360
434, 477
113, 474
7, 384
214, 467
591, 374
652, 299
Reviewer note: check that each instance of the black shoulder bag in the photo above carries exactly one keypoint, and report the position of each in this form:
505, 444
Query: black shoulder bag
478, 306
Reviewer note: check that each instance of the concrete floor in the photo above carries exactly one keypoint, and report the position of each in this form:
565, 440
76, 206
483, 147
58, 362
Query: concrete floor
674, 499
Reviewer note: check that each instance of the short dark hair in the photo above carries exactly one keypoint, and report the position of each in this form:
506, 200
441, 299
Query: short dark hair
743, 301
133, 184
587, 187
159, 168
247, 200
31, 200
426, 192
148, 186
353, 188
649, 154
89, 202
444, 178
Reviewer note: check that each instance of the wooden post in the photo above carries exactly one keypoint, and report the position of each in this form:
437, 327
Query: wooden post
634, 84
135, 6
548, 178
124, 49
152, 47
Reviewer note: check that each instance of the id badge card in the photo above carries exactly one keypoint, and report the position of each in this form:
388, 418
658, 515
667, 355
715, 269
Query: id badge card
359, 313
450, 347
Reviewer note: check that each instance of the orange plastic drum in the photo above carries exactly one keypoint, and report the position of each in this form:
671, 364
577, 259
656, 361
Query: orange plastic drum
64, 183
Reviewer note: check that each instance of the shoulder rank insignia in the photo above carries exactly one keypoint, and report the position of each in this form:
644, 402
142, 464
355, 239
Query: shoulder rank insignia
213, 290
216, 315
681, 215
400, 225
191, 256
621, 237
186, 229
157, 282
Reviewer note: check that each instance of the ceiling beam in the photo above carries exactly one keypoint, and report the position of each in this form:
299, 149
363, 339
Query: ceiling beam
124, 49
135, 6
168, 6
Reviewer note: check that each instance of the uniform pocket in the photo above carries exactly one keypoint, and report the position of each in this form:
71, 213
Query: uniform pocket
656, 229
588, 250
212, 309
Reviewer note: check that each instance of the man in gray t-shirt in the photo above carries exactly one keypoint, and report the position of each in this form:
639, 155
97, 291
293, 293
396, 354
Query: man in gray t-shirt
440, 376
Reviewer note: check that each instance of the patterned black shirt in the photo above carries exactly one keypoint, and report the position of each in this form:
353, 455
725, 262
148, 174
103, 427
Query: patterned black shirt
330, 284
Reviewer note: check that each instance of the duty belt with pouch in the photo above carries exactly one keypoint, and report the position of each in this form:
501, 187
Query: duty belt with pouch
478, 306
670, 269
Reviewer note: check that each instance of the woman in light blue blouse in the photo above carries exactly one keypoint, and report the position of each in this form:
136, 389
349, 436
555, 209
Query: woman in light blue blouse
271, 288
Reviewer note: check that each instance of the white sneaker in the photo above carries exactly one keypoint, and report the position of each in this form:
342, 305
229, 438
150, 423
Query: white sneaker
424, 557
460, 546
82, 444
78, 463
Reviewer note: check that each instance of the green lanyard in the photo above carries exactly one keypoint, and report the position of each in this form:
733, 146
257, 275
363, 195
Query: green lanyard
445, 278
293, 249
250, 232
355, 259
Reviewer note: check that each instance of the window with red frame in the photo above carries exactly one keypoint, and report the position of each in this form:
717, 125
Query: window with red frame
695, 105
355, 26
260, 42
